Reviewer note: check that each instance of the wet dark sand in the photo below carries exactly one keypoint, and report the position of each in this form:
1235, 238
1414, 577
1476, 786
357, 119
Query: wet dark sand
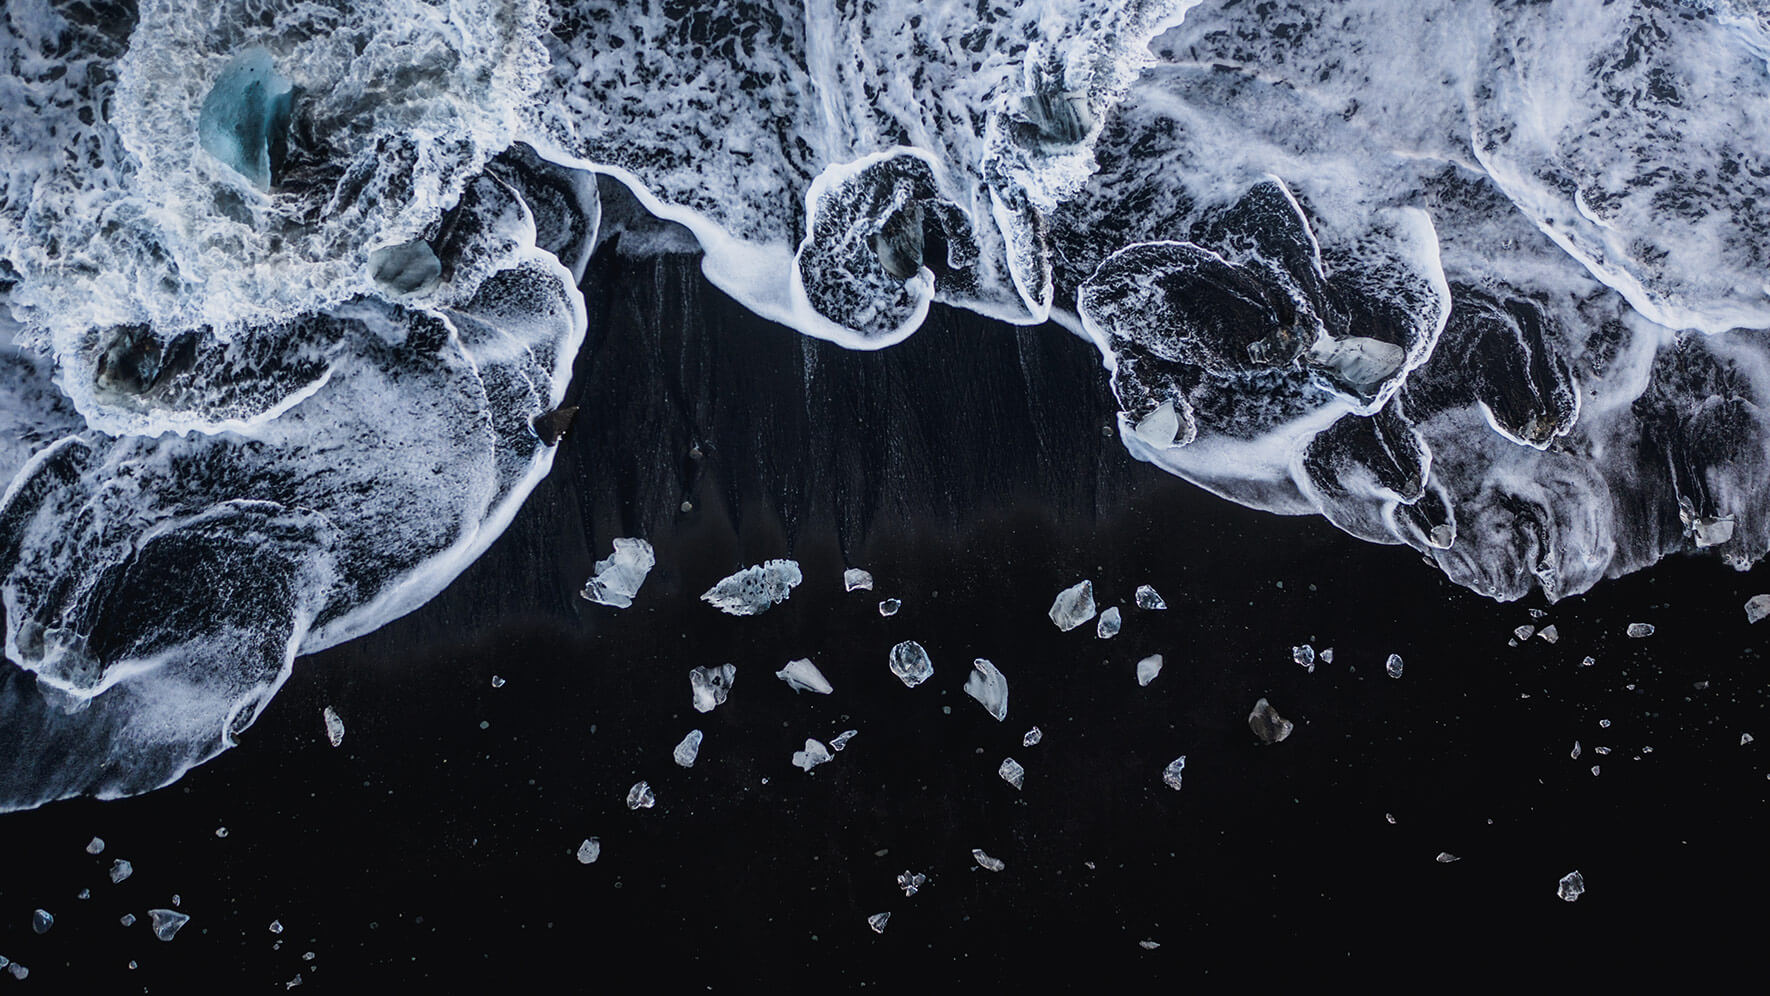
968, 471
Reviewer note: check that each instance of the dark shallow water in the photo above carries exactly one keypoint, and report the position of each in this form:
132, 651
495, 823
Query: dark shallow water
968, 471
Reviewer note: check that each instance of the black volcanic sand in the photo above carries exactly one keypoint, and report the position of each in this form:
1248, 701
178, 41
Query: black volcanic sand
968, 470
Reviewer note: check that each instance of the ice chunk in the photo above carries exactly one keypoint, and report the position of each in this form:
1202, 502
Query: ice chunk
1148, 599
167, 922
803, 676
855, 579
688, 749
755, 590
1012, 772
1445, 858
890, 606
878, 921
1073, 606
986, 862
1033, 736
276, 926
128, 920
814, 754
244, 121
1148, 668
589, 850
95, 846
18, 971
910, 663
1267, 724
711, 686
497, 682
1304, 656
1575, 752
1639, 630
911, 882
1327, 656
405, 268
1109, 624
1171, 774
41, 921
987, 685
1588, 661
121, 870
619, 575
1160, 427
1745, 738
1756, 608
1149, 945
334, 725
840, 740
640, 796
1393, 666
1549, 633
1524, 632
1571, 886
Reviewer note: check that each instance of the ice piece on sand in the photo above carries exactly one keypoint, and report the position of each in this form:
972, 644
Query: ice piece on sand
41, 921
1074, 605
1267, 724
803, 676
986, 862
334, 725
910, 663
814, 754
855, 579
1148, 599
1575, 752
276, 926
589, 850
840, 740
890, 606
1033, 736
1445, 858
988, 687
1171, 774
1571, 886
1149, 945
121, 870
911, 882
95, 846
688, 749
619, 576
1639, 630
1756, 608
640, 796
1160, 427
127, 919
711, 686
497, 682
754, 590
1012, 772
1549, 633
1304, 657
1148, 668
1327, 655
878, 921
1524, 632
1745, 738
1393, 666
1110, 622
167, 922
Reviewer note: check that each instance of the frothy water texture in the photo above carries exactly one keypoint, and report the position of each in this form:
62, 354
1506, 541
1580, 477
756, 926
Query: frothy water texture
290, 288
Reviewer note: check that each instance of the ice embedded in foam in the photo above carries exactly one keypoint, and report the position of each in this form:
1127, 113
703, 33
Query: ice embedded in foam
244, 121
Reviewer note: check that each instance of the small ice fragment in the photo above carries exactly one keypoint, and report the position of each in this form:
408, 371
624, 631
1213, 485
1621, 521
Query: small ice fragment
755, 590
910, 663
1602, 751
1073, 606
1160, 428
840, 740
1445, 857
1639, 630
167, 922
1148, 599
1575, 752
878, 921
688, 749
890, 606
334, 725
911, 882
127, 919
1571, 886
1549, 633
640, 796
1756, 608
803, 676
1033, 736
1745, 738
85, 894
497, 682
619, 575
1267, 724
1148, 668
121, 870
1149, 945
589, 850
95, 846
1327, 655
1595, 769
41, 921
1604, 724
1524, 633
1588, 662
1012, 772
986, 862
18, 971
221, 831
276, 926
1171, 773
855, 579
987, 685
1110, 622
1390, 817
814, 754
711, 686
1304, 656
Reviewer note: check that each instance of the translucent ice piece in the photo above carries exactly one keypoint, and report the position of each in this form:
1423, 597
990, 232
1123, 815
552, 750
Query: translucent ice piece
1171, 774
1267, 724
1327, 656
1304, 656
1549, 633
840, 740
1147, 598
814, 754
405, 268
1524, 632
1109, 624
497, 682
1393, 666
41, 921
244, 121
276, 926
911, 882
754, 590
168, 922
855, 579
1575, 752
986, 862
127, 919
121, 870
589, 850
987, 685
1012, 772
1445, 858
1148, 668
1073, 606
618, 577
1149, 945
711, 686
1033, 736
18, 971
95, 846
1756, 608
1160, 427
640, 796
890, 606
1639, 630
688, 749
910, 663
334, 725
1571, 886
803, 676
878, 921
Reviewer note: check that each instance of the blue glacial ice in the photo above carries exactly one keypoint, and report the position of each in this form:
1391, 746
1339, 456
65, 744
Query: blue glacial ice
244, 121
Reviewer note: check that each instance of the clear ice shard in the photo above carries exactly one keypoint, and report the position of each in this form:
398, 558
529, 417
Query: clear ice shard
711, 686
910, 663
127, 919
911, 882
1524, 632
855, 579
640, 796
406, 268
1012, 772
803, 676
1109, 624
688, 749
755, 590
167, 922
1073, 606
989, 687
334, 725
986, 862
589, 850
244, 121
1148, 668
1447, 858
889, 607
619, 575
41, 921
1171, 774
1571, 886
1033, 736
1393, 665
1756, 608
1639, 630
1549, 634
1160, 427
1304, 656
840, 740
95, 846
1149, 599
1267, 724
878, 921
121, 870
814, 754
